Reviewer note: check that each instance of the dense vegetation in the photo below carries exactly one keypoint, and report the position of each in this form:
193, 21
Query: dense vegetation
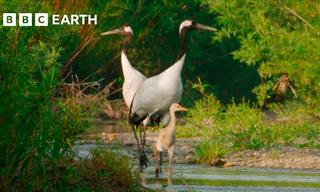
264, 57
281, 40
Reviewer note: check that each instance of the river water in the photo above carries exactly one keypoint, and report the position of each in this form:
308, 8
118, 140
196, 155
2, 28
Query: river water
203, 178
191, 177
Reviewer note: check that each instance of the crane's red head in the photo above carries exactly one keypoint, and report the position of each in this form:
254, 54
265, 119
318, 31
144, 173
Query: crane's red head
126, 29
187, 24
190, 24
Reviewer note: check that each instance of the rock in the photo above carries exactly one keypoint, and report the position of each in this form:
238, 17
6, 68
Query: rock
217, 162
228, 164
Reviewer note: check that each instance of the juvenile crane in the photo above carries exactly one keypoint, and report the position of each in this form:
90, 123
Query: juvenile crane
155, 95
167, 139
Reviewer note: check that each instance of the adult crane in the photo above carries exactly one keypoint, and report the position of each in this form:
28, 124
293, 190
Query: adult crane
132, 77
156, 94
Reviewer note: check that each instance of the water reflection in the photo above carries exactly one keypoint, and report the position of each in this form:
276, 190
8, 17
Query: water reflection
105, 130
169, 177
185, 177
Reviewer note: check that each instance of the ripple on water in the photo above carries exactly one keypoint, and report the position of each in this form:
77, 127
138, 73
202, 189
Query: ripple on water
203, 178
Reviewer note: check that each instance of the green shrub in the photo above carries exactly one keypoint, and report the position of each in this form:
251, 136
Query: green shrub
210, 150
201, 118
105, 171
242, 123
39, 121
241, 126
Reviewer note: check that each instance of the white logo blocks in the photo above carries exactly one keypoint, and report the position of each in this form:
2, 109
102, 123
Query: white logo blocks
42, 19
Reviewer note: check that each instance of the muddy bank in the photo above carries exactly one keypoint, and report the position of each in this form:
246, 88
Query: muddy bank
284, 157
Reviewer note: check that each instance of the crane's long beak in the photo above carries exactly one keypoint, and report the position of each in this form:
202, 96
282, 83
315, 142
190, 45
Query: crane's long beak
205, 27
115, 31
183, 109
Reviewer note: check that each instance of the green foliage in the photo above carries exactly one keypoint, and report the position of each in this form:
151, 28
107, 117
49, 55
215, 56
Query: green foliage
241, 126
273, 37
242, 123
238, 65
39, 122
277, 36
210, 150
201, 117
105, 171
33, 127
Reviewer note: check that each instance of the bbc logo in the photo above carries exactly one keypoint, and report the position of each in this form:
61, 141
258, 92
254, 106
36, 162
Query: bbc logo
41, 19
25, 19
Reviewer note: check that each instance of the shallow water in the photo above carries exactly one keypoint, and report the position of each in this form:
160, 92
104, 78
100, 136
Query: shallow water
203, 178
99, 128
186, 177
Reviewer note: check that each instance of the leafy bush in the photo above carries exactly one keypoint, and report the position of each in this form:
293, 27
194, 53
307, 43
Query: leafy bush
277, 37
105, 171
242, 122
241, 126
39, 122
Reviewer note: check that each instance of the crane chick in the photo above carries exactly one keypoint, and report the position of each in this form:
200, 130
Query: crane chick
167, 139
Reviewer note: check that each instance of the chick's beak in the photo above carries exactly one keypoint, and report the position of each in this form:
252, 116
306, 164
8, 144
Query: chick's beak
114, 31
183, 109
205, 27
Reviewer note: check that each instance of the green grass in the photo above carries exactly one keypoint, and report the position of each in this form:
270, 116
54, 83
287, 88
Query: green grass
225, 129
210, 150
105, 171
41, 118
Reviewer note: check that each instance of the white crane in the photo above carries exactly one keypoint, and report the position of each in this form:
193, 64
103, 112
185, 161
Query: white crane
156, 94
132, 77
167, 139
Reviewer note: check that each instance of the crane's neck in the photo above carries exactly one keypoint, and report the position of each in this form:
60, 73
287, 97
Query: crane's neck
126, 43
127, 69
175, 70
182, 37
172, 123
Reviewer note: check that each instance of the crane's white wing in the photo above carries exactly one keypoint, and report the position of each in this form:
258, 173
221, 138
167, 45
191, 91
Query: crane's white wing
156, 94
132, 79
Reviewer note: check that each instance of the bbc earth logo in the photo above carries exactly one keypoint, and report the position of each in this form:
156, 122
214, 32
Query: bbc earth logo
43, 19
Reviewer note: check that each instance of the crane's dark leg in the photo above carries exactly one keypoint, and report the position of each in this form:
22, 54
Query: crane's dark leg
160, 159
144, 135
140, 148
135, 135
143, 142
157, 159
143, 156
135, 125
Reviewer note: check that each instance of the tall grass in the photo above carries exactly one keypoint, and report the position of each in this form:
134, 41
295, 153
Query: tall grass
40, 122
225, 129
